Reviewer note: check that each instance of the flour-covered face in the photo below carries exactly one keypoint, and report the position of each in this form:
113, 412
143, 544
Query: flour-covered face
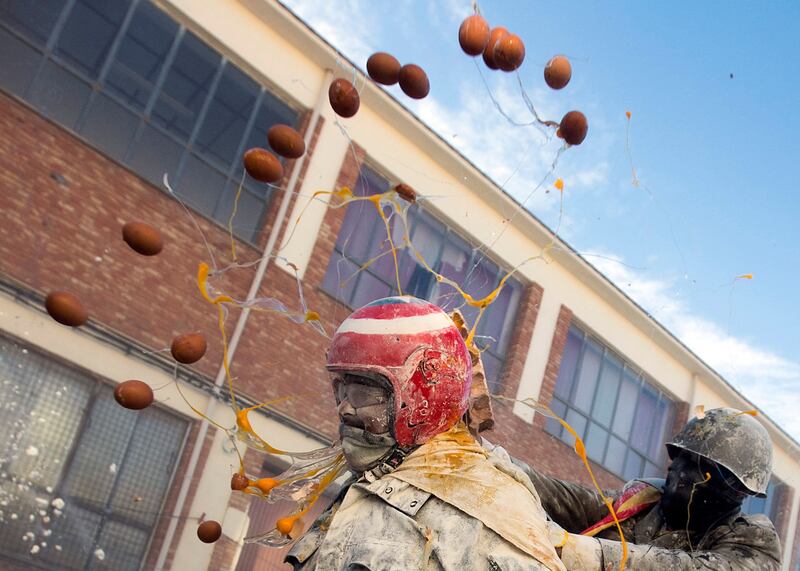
364, 424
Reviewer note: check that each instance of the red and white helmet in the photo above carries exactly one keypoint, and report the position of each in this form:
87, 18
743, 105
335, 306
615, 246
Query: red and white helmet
417, 348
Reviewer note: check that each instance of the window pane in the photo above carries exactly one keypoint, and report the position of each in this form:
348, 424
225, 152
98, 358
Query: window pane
271, 111
143, 479
551, 424
201, 186
123, 546
646, 415
578, 423
18, 63
481, 278
225, 122
361, 223
615, 455
569, 362
369, 289
587, 375
634, 466
661, 420
339, 277
596, 438
652, 471
41, 406
141, 55
74, 531
186, 86
492, 367
603, 408
626, 404
59, 95
33, 18
155, 154
109, 126
249, 213
101, 446
88, 33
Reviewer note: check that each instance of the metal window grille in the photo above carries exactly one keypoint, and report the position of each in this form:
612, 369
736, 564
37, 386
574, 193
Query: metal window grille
147, 92
82, 480
621, 416
362, 243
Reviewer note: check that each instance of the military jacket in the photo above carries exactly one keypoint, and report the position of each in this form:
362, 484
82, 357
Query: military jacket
737, 542
392, 525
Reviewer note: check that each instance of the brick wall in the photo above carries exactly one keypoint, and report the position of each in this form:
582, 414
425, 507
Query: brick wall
554, 360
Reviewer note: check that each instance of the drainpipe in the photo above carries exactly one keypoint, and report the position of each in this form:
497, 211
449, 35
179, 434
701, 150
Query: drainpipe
237, 332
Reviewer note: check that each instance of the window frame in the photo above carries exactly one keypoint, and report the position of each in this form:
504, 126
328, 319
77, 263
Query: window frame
95, 384
643, 382
232, 176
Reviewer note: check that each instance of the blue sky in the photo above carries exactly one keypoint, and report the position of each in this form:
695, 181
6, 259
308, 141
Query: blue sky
715, 154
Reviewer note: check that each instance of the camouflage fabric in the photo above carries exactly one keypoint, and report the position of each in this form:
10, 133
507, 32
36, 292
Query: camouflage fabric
736, 542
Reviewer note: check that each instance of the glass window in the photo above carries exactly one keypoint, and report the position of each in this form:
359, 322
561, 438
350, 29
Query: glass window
362, 269
177, 106
88, 33
34, 19
621, 416
767, 506
141, 55
18, 63
78, 472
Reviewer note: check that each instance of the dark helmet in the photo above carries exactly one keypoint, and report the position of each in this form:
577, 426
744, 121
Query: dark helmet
732, 439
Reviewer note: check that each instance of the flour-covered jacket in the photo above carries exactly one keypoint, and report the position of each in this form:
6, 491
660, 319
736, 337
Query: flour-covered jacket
736, 542
447, 507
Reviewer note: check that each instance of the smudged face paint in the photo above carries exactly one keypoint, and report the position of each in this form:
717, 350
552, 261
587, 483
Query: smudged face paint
697, 493
364, 425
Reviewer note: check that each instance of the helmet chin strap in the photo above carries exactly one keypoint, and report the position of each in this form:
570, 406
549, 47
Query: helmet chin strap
386, 466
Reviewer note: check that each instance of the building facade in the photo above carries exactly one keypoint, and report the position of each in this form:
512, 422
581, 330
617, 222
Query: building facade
99, 101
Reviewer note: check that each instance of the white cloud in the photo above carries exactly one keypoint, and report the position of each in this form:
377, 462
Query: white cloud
766, 378
519, 157
349, 25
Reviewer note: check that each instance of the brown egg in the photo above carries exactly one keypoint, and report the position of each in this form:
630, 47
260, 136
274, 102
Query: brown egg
188, 348
286, 141
574, 127
133, 395
209, 531
383, 68
557, 72
66, 308
406, 192
143, 238
473, 35
239, 482
414, 81
263, 165
488, 51
509, 52
344, 98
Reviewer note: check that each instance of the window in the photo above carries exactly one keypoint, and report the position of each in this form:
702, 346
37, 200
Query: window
767, 506
147, 92
78, 473
621, 416
363, 243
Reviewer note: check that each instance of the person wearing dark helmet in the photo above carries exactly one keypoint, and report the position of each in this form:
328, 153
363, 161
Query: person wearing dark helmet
426, 494
691, 520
